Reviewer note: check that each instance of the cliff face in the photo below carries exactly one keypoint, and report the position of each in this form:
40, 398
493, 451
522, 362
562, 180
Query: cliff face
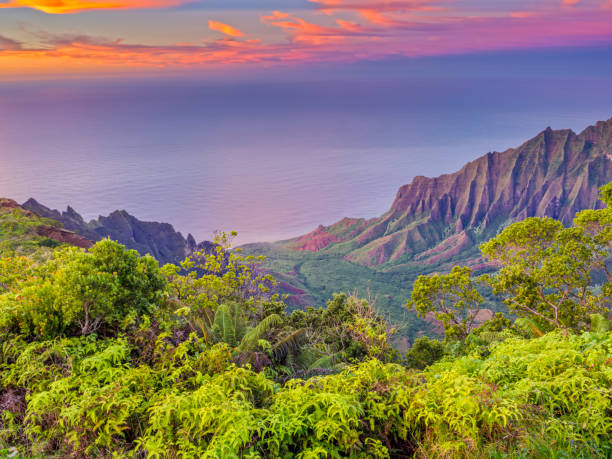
157, 239
434, 220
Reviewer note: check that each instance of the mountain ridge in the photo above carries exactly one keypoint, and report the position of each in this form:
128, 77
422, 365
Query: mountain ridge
555, 174
157, 239
24, 232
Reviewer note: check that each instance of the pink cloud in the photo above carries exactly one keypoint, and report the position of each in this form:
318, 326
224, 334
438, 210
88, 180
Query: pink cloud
523, 14
374, 5
352, 30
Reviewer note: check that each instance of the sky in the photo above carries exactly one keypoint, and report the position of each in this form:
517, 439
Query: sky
272, 116
46, 39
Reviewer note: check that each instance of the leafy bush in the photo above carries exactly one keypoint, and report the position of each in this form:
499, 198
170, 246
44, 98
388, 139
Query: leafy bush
424, 352
77, 293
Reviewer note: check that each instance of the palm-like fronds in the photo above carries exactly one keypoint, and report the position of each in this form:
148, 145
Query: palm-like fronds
307, 356
530, 326
326, 362
224, 326
290, 345
251, 336
204, 328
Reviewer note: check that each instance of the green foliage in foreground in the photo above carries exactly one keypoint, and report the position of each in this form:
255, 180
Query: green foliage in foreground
78, 292
207, 365
96, 397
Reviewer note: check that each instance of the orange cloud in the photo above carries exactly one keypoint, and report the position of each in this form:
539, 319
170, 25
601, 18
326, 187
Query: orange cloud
289, 22
389, 13
225, 29
301, 30
308, 33
570, 2
84, 54
74, 6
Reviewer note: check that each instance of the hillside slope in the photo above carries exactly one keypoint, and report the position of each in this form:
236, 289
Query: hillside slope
23, 232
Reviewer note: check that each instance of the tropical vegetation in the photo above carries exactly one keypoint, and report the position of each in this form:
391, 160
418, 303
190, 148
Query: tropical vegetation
105, 354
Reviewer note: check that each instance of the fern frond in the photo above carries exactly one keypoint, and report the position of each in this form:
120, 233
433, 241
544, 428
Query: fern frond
208, 317
205, 330
326, 362
307, 356
240, 322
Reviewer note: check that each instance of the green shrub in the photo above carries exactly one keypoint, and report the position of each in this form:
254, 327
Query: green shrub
77, 293
424, 352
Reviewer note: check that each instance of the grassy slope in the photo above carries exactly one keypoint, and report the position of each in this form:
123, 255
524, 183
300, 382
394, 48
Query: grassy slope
18, 232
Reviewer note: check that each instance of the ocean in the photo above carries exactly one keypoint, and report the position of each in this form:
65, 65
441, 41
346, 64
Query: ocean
270, 160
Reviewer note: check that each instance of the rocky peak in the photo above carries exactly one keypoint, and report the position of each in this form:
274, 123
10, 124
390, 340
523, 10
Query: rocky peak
157, 239
556, 174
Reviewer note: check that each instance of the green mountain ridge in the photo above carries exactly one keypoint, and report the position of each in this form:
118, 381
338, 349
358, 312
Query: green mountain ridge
435, 223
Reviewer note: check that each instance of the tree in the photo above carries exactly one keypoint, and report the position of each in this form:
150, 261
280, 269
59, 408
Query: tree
452, 298
348, 329
597, 223
226, 298
545, 271
205, 280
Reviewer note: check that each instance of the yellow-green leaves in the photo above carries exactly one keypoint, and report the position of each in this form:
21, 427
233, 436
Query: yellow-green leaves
93, 400
545, 272
452, 298
78, 293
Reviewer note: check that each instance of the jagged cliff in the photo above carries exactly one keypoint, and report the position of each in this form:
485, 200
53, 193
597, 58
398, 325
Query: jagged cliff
157, 239
434, 220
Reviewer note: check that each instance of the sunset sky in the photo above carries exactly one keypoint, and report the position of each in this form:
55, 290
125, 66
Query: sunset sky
46, 38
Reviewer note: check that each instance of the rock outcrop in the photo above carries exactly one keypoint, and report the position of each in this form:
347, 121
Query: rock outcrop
64, 236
